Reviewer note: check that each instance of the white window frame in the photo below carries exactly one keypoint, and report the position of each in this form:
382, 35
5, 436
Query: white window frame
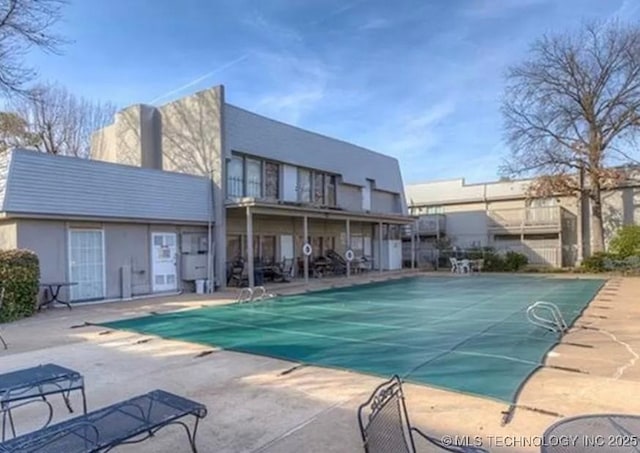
236, 157
260, 163
104, 258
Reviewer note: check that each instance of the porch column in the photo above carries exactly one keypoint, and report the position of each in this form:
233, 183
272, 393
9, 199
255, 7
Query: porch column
304, 241
348, 247
380, 247
250, 246
413, 245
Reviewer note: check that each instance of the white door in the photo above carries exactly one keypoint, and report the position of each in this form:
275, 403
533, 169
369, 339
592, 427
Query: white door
286, 247
164, 269
86, 264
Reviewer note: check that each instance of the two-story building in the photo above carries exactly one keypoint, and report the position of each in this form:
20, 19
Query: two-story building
173, 194
552, 231
274, 187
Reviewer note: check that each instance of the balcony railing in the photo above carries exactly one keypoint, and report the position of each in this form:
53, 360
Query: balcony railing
525, 218
427, 225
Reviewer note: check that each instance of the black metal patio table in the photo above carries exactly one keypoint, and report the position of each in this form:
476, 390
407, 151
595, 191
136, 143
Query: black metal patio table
54, 290
33, 385
611, 433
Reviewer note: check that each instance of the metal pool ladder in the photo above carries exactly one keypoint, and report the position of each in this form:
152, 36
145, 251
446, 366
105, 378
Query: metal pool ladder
553, 319
260, 293
246, 294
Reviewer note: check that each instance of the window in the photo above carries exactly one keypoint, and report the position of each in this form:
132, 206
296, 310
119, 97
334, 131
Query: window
430, 210
318, 188
330, 181
235, 177
271, 180
254, 178
304, 185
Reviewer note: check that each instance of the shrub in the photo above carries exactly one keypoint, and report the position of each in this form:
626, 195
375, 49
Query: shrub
514, 261
20, 276
626, 242
597, 262
493, 262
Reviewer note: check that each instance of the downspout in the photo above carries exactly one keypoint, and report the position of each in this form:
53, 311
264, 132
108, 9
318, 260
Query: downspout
210, 275
486, 216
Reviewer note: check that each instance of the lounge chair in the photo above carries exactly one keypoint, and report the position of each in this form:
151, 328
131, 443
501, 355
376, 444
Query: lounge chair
283, 272
237, 273
126, 422
33, 385
385, 426
338, 263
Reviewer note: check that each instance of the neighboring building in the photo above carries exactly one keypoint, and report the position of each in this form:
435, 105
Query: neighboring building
271, 181
111, 228
501, 215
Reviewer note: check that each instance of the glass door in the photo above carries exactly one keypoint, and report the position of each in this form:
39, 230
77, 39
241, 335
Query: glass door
86, 264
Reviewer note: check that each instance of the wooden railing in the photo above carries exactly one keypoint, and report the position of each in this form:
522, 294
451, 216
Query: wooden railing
548, 216
431, 224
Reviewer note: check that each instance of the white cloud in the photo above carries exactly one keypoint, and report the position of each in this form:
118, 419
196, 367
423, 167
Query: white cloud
498, 8
297, 85
627, 9
376, 23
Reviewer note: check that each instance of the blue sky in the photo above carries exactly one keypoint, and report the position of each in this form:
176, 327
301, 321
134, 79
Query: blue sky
420, 80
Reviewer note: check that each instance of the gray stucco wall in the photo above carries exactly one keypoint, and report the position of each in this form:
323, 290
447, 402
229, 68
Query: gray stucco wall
125, 245
384, 202
128, 245
8, 235
254, 134
349, 197
48, 239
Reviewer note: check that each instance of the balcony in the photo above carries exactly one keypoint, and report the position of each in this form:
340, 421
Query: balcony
427, 225
541, 219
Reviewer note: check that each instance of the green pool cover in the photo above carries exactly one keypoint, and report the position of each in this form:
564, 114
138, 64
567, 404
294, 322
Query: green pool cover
465, 334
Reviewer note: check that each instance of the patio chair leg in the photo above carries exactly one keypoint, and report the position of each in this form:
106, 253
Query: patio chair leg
3, 342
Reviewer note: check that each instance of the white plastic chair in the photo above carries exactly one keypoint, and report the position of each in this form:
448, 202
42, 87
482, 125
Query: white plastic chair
464, 266
454, 264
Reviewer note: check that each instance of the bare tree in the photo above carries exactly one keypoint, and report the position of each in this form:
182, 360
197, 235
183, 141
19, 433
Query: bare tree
14, 132
571, 109
24, 25
62, 122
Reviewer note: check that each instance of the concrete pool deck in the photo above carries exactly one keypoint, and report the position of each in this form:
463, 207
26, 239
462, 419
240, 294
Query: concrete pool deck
258, 404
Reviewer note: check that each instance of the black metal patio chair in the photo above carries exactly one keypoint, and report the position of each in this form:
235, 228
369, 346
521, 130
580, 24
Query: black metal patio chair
385, 426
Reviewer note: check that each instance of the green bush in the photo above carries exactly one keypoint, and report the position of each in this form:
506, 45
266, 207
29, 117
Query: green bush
493, 262
626, 242
510, 262
514, 261
20, 277
598, 262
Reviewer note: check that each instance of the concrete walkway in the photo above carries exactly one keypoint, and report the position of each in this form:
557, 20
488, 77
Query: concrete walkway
257, 404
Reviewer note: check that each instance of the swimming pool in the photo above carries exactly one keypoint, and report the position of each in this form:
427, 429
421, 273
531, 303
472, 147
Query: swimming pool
467, 334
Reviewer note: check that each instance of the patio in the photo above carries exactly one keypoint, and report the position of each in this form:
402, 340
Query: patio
258, 404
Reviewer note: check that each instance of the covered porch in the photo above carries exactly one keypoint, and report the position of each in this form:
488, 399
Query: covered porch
273, 242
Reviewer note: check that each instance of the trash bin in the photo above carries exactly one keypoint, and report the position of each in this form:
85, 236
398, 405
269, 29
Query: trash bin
258, 277
200, 286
